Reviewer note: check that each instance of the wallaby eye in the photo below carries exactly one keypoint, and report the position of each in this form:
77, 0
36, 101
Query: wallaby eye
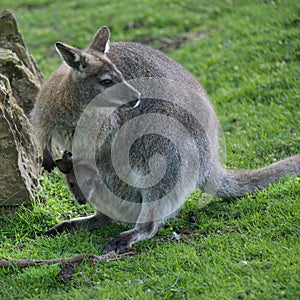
72, 185
106, 82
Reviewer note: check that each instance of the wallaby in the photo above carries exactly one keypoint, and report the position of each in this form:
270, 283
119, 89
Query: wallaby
107, 65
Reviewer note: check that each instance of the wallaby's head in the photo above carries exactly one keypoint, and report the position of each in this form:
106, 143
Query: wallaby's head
93, 73
65, 165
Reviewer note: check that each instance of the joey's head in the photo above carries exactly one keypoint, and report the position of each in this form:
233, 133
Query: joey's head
95, 75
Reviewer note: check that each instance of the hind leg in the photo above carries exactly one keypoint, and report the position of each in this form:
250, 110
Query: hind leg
92, 222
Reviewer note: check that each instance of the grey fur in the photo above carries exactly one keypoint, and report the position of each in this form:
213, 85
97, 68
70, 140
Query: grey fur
74, 85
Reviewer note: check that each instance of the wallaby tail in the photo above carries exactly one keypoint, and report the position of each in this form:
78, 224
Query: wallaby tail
237, 183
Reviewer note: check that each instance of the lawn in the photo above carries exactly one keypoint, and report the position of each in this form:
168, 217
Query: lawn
247, 56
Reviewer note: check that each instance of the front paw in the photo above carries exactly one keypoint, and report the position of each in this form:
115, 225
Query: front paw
119, 244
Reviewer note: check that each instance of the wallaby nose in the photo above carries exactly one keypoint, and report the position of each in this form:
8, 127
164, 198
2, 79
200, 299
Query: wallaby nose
134, 103
127, 94
138, 101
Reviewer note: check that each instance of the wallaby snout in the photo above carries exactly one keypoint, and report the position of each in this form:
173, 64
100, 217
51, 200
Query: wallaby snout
130, 93
122, 94
133, 104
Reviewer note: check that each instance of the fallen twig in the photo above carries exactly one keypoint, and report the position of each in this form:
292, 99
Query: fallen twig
94, 259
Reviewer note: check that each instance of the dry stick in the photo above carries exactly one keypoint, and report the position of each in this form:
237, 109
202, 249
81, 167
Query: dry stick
24, 263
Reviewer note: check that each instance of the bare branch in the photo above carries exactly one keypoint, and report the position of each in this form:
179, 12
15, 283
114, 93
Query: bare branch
94, 259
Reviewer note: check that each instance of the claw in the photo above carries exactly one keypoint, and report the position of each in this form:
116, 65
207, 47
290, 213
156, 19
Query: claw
119, 244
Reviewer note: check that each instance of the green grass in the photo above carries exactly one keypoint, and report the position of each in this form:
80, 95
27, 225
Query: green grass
246, 55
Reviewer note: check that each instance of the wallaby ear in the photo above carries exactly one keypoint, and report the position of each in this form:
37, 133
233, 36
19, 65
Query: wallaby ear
100, 41
71, 55
65, 164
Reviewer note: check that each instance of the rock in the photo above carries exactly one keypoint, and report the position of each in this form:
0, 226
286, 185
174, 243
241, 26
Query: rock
20, 81
17, 64
18, 168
